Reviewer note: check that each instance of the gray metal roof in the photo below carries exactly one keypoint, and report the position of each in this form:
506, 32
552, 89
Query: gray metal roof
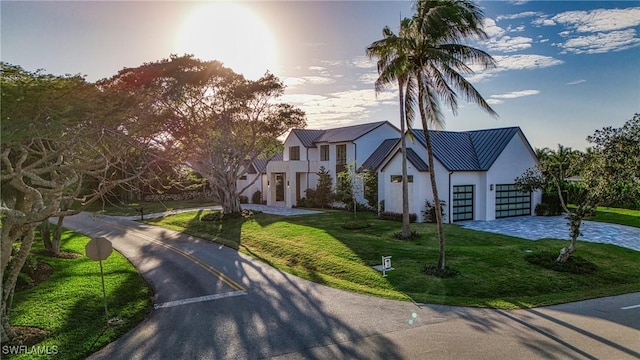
415, 159
468, 150
308, 136
347, 133
260, 165
377, 157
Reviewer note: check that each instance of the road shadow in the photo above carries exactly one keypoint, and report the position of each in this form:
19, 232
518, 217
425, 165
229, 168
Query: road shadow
279, 315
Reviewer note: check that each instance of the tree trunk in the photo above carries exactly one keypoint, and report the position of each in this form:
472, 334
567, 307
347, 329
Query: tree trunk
434, 186
575, 220
228, 193
26, 232
405, 186
57, 236
45, 233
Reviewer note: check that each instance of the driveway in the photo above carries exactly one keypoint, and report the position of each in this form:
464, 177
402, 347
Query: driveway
555, 227
212, 302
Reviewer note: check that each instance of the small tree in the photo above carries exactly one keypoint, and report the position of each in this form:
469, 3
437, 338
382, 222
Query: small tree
323, 194
552, 171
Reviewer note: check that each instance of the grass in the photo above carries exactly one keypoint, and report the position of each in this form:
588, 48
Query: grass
617, 216
70, 303
493, 269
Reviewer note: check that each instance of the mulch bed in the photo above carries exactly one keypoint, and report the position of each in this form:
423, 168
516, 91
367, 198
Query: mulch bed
28, 335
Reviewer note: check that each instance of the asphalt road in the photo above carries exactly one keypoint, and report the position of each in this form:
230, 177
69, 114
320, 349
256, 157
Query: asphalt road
212, 302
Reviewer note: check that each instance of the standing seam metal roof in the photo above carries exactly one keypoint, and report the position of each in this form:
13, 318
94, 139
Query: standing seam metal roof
378, 156
468, 150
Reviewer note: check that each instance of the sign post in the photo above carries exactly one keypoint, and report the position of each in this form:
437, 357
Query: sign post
99, 249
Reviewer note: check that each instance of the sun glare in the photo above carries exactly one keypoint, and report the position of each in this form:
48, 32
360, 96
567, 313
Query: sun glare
231, 33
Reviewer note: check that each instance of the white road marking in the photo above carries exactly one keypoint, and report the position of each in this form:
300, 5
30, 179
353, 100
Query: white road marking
630, 307
199, 299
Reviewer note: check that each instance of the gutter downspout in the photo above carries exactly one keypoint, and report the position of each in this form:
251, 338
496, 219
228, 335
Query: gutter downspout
449, 212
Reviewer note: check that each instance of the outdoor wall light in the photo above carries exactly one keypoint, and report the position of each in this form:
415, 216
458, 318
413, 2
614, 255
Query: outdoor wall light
287, 183
491, 187
268, 183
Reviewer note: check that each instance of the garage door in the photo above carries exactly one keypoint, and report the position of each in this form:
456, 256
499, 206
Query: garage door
511, 202
462, 202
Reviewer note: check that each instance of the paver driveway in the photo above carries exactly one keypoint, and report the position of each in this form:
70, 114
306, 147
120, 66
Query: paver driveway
555, 227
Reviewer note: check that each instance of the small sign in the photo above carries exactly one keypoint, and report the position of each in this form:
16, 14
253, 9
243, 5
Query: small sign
98, 249
385, 266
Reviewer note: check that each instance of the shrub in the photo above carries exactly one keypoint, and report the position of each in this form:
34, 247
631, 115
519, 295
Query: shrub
387, 215
256, 198
355, 224
573, 265
413, 235
552, 205
243, 199
429, 212
212, 216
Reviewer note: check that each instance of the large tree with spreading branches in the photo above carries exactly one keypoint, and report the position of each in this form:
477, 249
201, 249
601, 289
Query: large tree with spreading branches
58, 134
220, 121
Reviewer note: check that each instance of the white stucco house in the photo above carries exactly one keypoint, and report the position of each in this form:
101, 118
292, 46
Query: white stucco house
475, 170
306, 150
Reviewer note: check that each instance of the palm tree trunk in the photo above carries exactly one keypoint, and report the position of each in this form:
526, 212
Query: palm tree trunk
434, 186
403, 145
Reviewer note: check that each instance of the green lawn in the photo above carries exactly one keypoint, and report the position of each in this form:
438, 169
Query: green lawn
617, 216
493, 270
70, 303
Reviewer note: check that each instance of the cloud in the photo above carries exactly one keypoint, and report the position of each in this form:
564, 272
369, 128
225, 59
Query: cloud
576, 82
543, 21
494, 101
492, 30
368, 78
601, 42
317, 68
518, 15
599, 20
514, 63
318, 80
509, 44
516, 94
351, 105
519, 28
363, 62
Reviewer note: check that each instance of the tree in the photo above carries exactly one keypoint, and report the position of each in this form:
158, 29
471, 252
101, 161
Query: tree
552, 171
323, 195
612, 167
57, 133
393, 67
218, 119
437, 62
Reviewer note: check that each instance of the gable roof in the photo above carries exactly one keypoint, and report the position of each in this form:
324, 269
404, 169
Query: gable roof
309, 137
377, 157
468, 150
260, 165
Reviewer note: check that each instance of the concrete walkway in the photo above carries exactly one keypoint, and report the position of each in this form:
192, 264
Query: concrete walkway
555, 227
276, 210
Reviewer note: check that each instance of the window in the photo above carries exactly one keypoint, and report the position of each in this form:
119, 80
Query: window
294, 152
398, 178
341, 158
324, 152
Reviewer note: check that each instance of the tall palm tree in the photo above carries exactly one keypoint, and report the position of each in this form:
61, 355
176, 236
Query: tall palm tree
393, 66
439, 61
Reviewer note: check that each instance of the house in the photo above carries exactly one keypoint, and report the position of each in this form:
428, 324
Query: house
256, 178
307, 150
475, 170
475, 173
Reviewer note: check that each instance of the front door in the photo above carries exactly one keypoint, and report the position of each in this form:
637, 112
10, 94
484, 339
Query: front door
279, 187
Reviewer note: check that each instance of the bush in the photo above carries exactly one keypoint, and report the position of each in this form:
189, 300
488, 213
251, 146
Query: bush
355, 224
429, 212
552, 205
256, 198
243, 199
387, 215
213, 216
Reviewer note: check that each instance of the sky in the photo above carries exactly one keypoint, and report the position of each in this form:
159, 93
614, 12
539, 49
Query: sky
564, 68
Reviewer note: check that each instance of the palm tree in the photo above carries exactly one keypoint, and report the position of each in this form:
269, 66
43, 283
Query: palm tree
439, 62
393, 66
